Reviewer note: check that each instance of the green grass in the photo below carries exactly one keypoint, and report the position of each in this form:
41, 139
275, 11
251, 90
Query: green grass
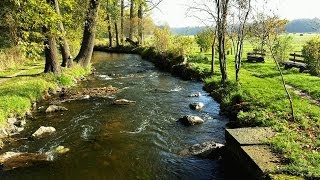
260, 85
18, 93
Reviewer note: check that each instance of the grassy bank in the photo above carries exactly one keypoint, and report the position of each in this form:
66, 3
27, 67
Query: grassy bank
18, 93
260, 100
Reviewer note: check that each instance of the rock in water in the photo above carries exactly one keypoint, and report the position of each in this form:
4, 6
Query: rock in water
196, 106
43, 132
12, 160
191, 120
55, 108
61, 150
198, 94
205, 150
123, 102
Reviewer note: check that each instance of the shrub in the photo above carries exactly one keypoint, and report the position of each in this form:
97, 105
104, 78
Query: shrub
162, 39
181, 45
282, 48
311, 52
204, 39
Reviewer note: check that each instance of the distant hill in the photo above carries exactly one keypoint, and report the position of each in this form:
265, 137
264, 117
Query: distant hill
294, 26
304, 26
187, 31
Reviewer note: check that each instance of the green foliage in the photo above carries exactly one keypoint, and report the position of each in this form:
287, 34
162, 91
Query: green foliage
262, 91
181, 45
282, 48
205, 38
162, 39
312, 56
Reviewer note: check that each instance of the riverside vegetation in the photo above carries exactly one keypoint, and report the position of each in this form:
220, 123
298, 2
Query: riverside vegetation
259, 100
251, 94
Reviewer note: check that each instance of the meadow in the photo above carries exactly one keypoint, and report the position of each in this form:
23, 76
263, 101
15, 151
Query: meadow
298, 142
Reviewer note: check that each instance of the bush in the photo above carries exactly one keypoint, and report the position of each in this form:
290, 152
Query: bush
162, 39
282, 48
311, 52
181, 45
204, 39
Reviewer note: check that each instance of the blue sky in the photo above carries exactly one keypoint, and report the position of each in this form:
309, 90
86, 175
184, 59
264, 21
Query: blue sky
173, 12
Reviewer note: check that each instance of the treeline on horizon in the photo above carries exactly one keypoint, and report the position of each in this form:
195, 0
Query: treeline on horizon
294, 26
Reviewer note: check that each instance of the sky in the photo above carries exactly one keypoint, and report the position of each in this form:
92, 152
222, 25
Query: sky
173, 12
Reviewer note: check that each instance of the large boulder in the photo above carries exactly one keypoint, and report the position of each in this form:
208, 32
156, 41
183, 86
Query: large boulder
123, 102
43, 132
55, 108
191, 120
205, 150
198, 106
12, 160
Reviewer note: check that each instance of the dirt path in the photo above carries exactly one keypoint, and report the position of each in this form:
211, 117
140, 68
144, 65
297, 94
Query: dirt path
303, 95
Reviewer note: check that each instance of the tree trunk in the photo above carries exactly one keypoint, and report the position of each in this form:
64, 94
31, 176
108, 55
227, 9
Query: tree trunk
131, 19
239, 47
109, 25
87, 44
213, 51
51, 54
282, 80
122, 22
140, 24
117, 33
64, 46
222, 7
212, 58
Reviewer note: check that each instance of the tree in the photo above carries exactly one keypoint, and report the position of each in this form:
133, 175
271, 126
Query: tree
122, 22
273, 27
109, 22
131, 19
51, 52
222, 12
64, 46
205, 39
87, 44
243, 8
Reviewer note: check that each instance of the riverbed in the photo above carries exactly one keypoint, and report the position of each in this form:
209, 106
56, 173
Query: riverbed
140, 141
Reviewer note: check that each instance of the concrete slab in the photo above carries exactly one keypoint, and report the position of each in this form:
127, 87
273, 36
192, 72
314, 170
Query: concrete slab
262, 156
250, 136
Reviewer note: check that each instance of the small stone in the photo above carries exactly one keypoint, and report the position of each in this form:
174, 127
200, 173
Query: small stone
43, 132
196, 106
198, 94
123, 102
12, 120
29, 115
61, 150
20, 123
3, 133
205, 150
1, 144
86, 97
34, 106
55, 108
191, 120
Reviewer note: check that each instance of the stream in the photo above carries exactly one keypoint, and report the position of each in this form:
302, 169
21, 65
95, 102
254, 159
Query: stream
140, 141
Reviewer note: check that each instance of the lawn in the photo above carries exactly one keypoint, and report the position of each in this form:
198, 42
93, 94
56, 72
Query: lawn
18, 93
260, 85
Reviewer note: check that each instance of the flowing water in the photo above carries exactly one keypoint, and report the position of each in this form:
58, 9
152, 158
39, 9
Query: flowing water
140, 141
